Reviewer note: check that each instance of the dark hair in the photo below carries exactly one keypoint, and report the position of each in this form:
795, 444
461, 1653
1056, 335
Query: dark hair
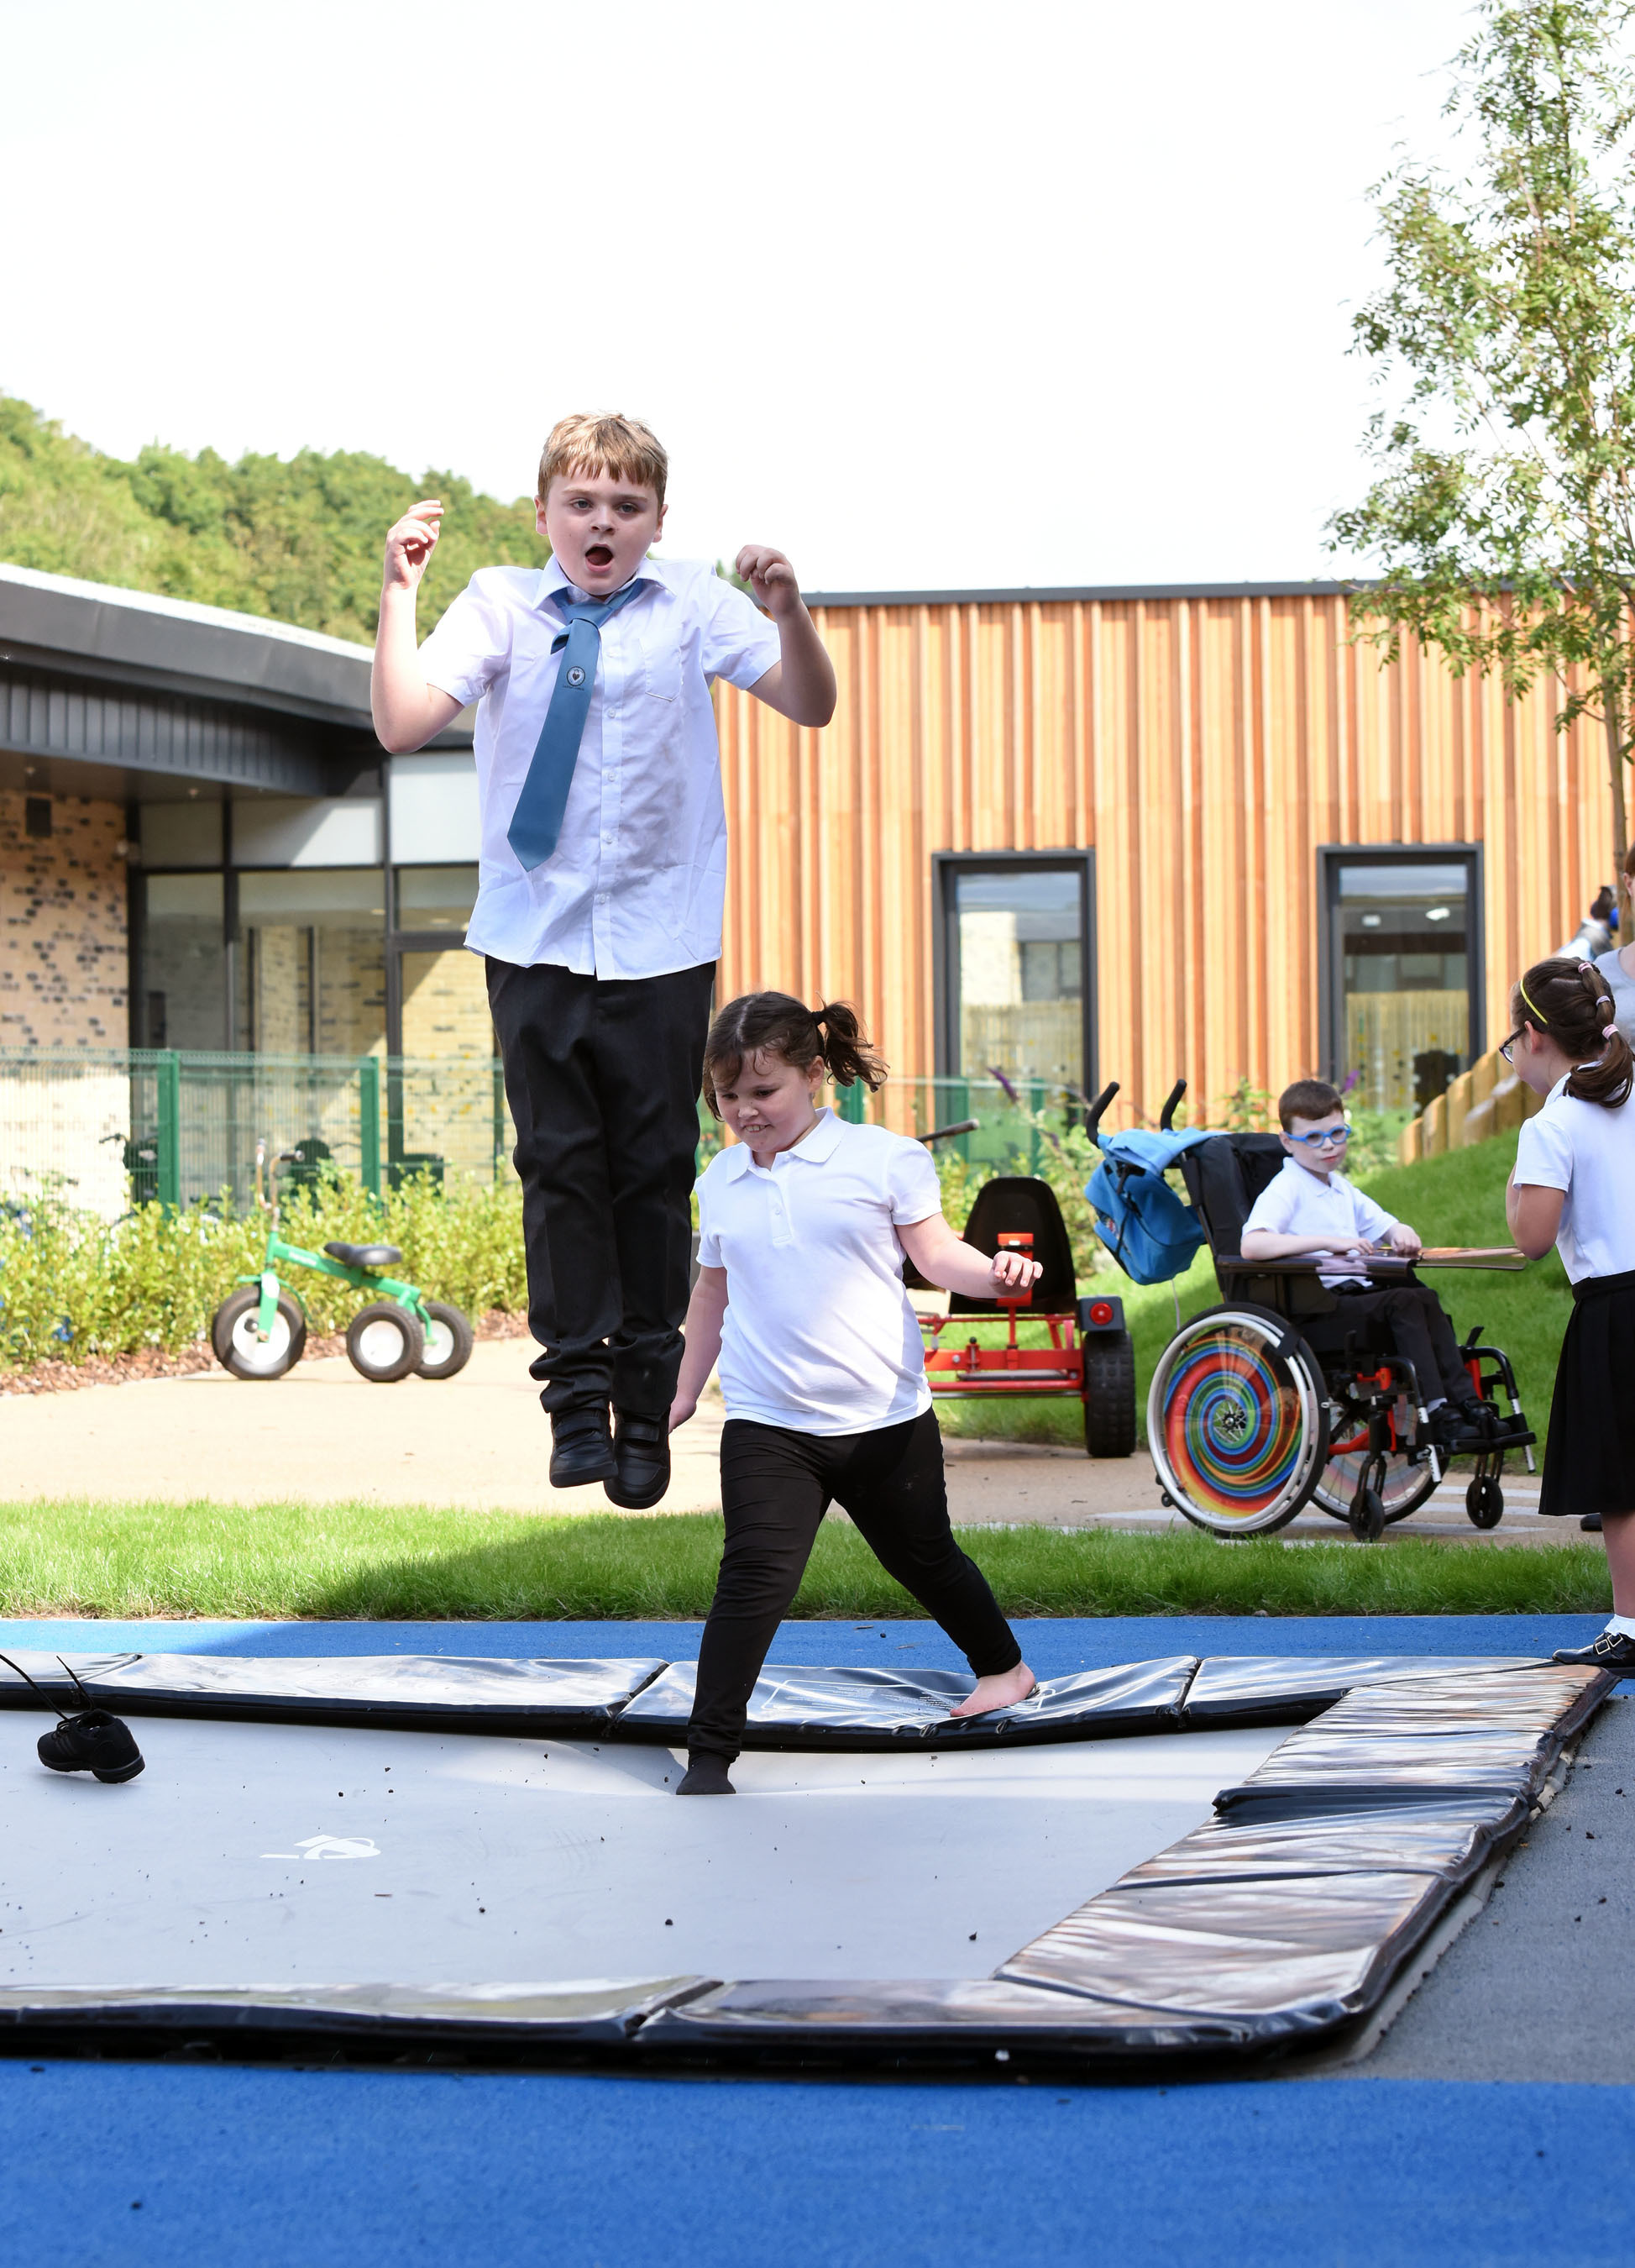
1602, 904
778, 1024
1569, 1000
1308, 1098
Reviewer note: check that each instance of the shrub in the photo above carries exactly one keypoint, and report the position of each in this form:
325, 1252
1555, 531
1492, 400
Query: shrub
73, 1285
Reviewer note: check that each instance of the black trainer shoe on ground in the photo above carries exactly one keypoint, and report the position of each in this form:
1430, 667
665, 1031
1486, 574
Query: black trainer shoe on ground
1591, 1523
582, 1446
1610, 1650
706, 1775
95, 1742
641, 1455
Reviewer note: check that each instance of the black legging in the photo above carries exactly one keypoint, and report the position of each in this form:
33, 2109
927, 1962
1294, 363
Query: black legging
775, 1487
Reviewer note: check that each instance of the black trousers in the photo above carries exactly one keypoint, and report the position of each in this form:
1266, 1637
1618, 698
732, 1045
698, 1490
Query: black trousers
603, 1081
775, 1487
1415, 1323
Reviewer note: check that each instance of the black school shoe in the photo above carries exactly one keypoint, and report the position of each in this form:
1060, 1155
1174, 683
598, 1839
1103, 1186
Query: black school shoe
95, 1742
705, 1774
1612, 1650
641, 1460
582, 1446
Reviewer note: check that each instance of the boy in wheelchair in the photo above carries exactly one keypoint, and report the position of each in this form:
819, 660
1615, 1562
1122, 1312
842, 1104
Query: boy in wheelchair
1310, 1208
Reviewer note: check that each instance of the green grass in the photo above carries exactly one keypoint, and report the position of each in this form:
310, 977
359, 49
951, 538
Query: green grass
366, 1562
1455, 1198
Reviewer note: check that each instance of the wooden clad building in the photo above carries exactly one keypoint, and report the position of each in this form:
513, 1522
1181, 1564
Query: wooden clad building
1127, 834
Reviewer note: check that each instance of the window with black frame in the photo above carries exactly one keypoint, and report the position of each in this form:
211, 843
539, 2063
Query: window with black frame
1402, 1012
1015, 966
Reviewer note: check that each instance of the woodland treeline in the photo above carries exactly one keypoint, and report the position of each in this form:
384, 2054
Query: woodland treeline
298, 538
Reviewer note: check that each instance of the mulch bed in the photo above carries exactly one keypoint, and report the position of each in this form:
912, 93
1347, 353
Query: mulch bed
153, 1362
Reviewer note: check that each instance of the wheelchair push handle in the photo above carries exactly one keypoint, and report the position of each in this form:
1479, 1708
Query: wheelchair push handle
1166, 1117
1093, 1116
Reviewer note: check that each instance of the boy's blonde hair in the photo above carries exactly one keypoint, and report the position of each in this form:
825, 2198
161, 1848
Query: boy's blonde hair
623, 447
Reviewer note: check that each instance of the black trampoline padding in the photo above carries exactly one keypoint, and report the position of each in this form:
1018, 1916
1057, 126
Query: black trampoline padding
419, 1691
1271, 1688
877, 1709
1278, 1923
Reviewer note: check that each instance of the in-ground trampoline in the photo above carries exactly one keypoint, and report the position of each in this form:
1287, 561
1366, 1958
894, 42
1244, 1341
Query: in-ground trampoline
398, 1857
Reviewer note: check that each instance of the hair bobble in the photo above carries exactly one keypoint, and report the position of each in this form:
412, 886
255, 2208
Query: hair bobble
1607, 1031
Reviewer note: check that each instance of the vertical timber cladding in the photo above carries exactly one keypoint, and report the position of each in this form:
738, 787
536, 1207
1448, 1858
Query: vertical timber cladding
1206, 746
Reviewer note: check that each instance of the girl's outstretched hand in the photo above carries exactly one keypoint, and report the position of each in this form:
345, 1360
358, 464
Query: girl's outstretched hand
680, 1410
1014, 1272
410, 542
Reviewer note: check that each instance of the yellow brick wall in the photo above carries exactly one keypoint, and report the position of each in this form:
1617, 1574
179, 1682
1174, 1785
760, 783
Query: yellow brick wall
64, 972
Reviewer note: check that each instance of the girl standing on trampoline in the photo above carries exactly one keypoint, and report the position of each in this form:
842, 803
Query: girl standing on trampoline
802, 1228
1571, 1187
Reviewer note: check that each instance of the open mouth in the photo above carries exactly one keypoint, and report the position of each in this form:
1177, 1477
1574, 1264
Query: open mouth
599, 554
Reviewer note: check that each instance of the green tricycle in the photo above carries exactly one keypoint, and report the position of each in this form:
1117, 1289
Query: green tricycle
260, 1330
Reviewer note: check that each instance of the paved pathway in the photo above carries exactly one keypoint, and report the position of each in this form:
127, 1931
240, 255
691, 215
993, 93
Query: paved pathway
325, 1435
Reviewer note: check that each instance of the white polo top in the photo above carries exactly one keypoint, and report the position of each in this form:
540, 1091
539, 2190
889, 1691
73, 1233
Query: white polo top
637, 883
1300, 1202
819, 1336
1589, 1152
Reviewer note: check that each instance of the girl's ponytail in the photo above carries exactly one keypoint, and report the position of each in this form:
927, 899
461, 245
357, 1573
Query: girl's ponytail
843, 1048
778, 1024
1570, 1000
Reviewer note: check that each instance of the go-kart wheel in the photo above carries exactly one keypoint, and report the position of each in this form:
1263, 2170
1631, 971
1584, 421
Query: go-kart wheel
1403, 1490
238, 1346
1484, 1501
1109, 1394
384, 1342
1367, 1516
1237, 1421
448, 1342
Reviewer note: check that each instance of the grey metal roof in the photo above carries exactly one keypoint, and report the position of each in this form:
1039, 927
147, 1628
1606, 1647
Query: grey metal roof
1109, 593
134, 683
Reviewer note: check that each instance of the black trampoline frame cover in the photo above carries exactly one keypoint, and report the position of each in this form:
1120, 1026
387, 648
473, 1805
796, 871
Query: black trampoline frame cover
1280, 1924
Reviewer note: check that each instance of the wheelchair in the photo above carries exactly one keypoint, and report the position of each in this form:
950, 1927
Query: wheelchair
1269, 1401
1091, 1356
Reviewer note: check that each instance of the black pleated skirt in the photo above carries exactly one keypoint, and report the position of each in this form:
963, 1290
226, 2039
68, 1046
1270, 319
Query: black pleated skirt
1589, 1465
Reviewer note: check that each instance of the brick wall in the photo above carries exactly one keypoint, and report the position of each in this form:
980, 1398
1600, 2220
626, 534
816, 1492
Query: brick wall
63, 970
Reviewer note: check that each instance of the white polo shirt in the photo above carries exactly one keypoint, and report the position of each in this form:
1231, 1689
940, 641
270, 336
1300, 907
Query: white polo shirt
1300, 1202
819, 1336
1589, 1152
637, 883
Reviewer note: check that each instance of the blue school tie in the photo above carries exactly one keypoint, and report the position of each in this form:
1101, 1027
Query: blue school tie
536, 820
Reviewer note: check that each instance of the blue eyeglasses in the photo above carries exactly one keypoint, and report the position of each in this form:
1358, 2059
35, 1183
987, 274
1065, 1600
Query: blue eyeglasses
1332, 1138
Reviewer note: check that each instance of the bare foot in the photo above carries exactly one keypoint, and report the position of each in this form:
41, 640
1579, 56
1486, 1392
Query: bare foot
1002, 1692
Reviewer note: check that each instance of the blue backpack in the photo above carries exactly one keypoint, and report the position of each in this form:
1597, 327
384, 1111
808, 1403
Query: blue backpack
1151, 1231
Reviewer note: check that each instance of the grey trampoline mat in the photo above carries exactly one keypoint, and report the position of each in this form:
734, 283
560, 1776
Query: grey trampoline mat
286, 1855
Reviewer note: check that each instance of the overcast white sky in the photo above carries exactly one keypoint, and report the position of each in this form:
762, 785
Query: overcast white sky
930, 294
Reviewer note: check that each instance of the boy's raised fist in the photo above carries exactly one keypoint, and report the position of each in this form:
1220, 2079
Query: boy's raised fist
770, 577
410, 542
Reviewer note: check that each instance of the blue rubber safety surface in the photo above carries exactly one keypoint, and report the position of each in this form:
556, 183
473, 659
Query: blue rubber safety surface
130, 2164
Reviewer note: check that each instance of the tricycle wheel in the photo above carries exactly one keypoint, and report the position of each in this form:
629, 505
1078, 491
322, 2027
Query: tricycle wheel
448, 1342
1109, 1393
240, 1347
384, 1342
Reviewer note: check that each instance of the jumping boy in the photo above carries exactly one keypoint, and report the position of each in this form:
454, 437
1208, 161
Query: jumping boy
1310, 1207
600, 895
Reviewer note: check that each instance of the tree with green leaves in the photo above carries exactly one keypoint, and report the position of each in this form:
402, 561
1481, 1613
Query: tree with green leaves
296, 539
1502, 516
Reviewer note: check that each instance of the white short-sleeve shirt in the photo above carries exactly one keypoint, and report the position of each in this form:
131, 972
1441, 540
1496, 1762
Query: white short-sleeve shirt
637, 883
1589, 1152
820, 1335
1300, 1202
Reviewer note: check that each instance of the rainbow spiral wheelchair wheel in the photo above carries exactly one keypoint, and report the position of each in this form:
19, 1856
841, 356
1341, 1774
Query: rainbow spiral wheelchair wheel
1237, 1421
